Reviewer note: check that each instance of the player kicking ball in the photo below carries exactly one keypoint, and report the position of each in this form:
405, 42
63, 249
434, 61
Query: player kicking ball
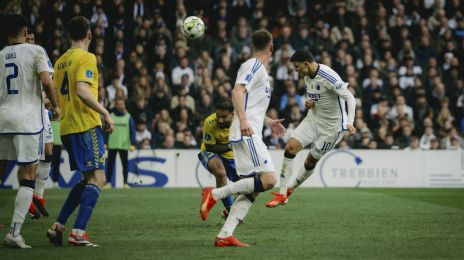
323, 126
250, 97
216, 152
81, 132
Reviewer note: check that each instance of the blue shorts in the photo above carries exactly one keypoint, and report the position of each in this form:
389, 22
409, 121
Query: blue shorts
229, 164
86, 150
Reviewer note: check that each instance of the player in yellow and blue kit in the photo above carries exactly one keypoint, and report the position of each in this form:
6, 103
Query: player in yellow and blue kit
76, 76
216, 153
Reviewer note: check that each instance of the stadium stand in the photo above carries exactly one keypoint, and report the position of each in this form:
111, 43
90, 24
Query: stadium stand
402, 59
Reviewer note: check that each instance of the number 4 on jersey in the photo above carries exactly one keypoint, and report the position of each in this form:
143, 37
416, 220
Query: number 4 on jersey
64, 89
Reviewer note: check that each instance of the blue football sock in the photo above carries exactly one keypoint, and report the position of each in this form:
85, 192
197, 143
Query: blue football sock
71, 202
87, 204
227, 202
258, 184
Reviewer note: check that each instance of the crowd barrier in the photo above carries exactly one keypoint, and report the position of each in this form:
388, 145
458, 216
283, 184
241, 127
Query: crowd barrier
339, 168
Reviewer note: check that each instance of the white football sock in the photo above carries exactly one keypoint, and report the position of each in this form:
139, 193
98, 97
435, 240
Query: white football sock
287, 170
303, 174
43, 171
243, 186
238, 211
22, 202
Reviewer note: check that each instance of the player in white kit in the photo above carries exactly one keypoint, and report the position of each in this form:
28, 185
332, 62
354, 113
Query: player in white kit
323, 126
250, 96
37, 208
23, 67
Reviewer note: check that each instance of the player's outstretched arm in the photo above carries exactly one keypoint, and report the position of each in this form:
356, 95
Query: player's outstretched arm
238, 99
275, 125
82, 91
49, 88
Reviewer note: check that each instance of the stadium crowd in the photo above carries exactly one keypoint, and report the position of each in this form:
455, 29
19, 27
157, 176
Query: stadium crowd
403, 60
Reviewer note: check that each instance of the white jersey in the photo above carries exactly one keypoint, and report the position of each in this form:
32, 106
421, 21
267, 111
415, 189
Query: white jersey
329, 92
21, 108
254, 76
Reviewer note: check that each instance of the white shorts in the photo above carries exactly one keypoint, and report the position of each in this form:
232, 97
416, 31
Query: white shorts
251, 156
23, 148
322, 140
46, 136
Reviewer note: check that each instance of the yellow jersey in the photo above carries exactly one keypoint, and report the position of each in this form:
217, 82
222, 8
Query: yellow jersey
213, 134
76, 65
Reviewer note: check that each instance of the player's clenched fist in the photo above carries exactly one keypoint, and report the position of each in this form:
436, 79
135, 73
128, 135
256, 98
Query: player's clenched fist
309, 104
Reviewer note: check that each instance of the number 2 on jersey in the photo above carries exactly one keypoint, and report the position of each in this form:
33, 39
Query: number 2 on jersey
10, 77
64, 89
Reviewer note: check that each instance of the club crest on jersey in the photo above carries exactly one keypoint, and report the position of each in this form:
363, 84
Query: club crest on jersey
89, 74
207, 137
248, 77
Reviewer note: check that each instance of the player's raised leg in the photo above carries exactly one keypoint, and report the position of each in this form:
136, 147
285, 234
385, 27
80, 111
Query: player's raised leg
304, 173
291, 149
216, 167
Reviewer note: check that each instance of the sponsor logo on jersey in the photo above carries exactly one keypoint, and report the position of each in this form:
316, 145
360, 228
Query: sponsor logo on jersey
314, 96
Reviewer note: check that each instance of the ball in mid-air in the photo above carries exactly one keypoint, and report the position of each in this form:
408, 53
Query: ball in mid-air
193, 27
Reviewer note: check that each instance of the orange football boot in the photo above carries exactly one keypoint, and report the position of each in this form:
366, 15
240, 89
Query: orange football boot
207, 202
229, 241
279, 199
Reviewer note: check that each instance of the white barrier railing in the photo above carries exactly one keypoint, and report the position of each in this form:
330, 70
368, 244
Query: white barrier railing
339, 168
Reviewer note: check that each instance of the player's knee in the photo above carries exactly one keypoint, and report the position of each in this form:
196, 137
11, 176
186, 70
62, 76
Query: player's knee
269, 181
96, 177
221, 176
292, 148
310, 164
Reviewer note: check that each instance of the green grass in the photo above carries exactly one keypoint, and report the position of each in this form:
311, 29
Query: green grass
317, 223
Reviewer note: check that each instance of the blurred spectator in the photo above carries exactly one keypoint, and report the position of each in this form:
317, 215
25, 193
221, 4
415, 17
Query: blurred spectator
181, 70
141, 133
291, 93
414, 144
403, 60
115, 85
426, 139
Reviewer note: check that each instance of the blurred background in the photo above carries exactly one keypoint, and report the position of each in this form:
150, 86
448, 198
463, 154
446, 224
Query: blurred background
402, 60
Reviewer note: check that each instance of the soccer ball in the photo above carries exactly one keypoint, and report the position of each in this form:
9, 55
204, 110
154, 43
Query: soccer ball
193, 27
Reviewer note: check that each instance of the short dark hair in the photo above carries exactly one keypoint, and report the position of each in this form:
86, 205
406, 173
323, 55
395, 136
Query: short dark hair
261, 39
14, 25
302, 56
78, 28
225, 104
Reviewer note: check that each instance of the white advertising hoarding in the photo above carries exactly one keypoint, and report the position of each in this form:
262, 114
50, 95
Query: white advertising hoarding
339, 168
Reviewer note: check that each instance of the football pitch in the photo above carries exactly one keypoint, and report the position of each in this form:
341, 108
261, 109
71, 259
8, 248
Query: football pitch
317, 223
